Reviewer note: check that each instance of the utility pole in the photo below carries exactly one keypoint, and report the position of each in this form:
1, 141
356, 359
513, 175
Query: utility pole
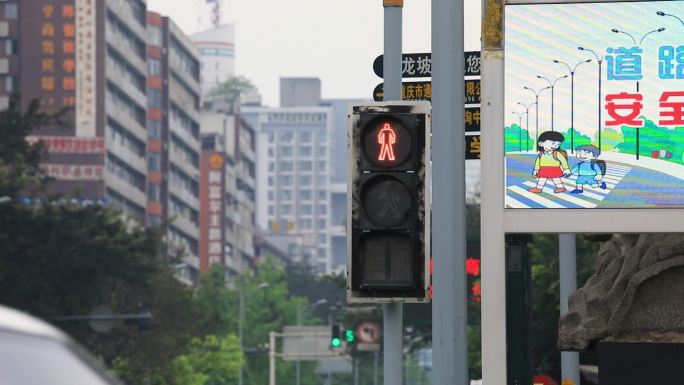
392, 70
568, 284
449, 322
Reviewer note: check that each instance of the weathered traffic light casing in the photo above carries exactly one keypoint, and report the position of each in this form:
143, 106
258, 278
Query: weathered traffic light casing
388, 205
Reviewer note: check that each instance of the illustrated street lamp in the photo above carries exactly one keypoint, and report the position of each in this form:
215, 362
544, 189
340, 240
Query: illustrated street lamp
572, 99
614, 30
599, 60
519, 115
527, 125
536, 103
661, 13
241, 320
552, 85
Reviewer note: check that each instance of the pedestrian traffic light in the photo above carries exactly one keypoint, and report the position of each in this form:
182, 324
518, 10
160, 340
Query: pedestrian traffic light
335, 340
388, 203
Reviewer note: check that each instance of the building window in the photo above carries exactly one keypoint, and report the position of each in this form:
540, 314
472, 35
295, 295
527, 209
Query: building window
270, 152
271, 210
286, 166
285, 180
305, 137
286, 209
270, 195
154, 35
322, 209
321, 180
154, 67
305, 195
304, 180
306, 210
10, 11
271, 137
321, 165
321, 194
11, 47
153, 192
305, 224
271, 166
154, 98
321, 239
321, 224
153, 161
9, 83
322, 138
305, 151
153, 129
270, 181
285, 195
305, 165
286, 151
286, 137
322, 151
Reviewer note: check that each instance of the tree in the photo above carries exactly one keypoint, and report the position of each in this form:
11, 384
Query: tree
20, 160
232, 88
212, 360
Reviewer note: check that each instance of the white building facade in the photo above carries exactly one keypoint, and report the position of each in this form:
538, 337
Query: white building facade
294, 176
217, 50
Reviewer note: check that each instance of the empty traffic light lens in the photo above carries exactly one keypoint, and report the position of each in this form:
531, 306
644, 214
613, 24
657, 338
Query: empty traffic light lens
387, 261
387, 143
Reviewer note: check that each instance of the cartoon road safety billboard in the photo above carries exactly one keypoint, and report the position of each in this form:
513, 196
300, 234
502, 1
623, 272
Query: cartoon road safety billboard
594, 105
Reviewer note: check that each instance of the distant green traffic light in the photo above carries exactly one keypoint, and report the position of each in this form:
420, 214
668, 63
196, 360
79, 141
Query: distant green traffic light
349, 336
335, 342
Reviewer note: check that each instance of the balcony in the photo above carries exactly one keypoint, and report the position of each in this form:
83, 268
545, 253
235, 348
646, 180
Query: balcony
120, 45
125, 154
129, 89
184, 225
184, 165
125, 120
185, 196
185, 77
183, 134
180, 96
124, 13
125, 189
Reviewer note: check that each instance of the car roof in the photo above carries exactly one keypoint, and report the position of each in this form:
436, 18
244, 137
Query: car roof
18, 322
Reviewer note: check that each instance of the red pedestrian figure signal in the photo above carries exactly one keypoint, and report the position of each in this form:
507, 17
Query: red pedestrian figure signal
387, 138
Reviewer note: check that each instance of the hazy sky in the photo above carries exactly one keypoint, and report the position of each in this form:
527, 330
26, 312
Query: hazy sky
336, 41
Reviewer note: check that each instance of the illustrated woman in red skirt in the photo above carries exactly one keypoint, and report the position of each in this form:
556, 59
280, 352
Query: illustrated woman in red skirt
551, 163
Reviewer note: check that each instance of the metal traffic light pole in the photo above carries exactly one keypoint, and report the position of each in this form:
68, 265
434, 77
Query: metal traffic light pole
449, 330
392, 68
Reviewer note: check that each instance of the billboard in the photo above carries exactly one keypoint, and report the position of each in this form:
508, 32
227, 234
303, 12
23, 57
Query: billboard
594, 105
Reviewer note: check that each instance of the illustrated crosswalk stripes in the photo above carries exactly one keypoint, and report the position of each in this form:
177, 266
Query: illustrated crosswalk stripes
518, 196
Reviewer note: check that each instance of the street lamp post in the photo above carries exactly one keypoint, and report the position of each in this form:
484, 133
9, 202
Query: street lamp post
241, 320
615, 30
599, 60
519, 115
552, 85
310, 308
536, 102
572, 99
527, 125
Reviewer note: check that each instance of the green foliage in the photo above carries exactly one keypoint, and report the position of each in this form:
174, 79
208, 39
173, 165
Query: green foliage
610, 139
19, 160
516, 139
212, 360
579, 139
233, 88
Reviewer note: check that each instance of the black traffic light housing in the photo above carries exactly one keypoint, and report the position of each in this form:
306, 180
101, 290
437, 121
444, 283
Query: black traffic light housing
388, 202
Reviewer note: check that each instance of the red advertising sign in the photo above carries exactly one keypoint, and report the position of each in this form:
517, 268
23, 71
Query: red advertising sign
212, 210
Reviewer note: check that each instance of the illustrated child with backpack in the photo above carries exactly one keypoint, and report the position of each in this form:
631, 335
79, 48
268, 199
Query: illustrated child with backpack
551, 163
590, 170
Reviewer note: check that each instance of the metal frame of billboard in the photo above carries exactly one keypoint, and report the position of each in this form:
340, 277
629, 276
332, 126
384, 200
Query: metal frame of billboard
497, 221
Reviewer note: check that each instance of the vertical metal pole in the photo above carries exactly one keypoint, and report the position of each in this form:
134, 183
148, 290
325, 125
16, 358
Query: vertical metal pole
272, 358
241, 320
449, 323
600, 102
392, 68
355, 362
572, 112
552, 87
568, 284
536, 115
375, 368
298, 366
527, 128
